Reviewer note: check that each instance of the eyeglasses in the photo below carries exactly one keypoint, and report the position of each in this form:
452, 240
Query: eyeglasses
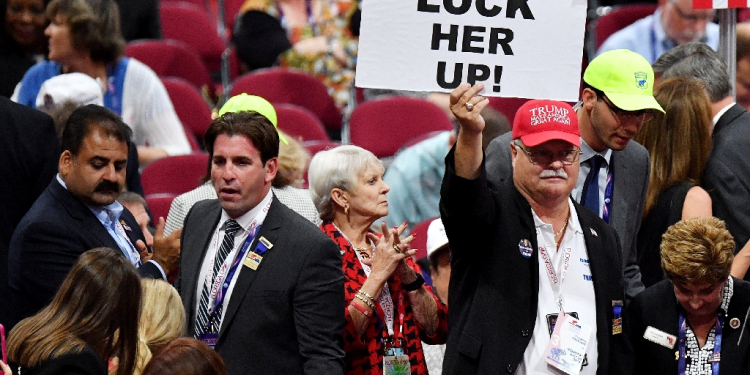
640, 115
693, 18
567, 157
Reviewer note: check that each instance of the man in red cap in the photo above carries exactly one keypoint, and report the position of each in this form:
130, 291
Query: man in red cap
536, 283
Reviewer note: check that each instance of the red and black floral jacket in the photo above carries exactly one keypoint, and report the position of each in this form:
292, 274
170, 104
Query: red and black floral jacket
364, 355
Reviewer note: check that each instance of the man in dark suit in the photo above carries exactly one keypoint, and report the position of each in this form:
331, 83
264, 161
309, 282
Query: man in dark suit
260, 283
523, 251
610, 87
29, 151
727, 173
78, 212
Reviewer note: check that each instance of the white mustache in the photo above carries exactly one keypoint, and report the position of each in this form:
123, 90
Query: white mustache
547, 173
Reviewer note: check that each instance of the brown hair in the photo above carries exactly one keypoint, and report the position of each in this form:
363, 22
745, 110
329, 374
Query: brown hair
250, 124
162, 320
94, 27
186, 356
97, 305
679, 142
697, 251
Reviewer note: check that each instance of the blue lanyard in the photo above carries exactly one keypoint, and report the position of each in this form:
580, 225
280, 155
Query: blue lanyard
715, 360
608, 191
230, 274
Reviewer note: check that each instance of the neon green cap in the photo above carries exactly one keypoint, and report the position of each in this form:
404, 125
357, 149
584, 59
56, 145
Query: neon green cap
245, 102
625, 77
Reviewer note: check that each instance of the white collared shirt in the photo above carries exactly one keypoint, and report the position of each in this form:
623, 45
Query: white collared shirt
255, 216
721, 113
577, 295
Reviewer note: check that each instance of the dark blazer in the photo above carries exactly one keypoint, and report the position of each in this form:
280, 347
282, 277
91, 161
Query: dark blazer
657, 307
87, 362
632, 169
56, 230
29, 151
727, 173
493, 289
288, 316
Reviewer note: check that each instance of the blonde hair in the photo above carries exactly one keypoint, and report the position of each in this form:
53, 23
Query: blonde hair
293, 160
162, 320
697, 251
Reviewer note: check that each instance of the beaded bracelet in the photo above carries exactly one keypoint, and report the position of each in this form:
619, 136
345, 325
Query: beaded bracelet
368, 303
365, 294
361, 309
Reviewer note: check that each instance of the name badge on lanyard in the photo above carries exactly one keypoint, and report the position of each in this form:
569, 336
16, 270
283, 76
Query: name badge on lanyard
395, 357
567, 346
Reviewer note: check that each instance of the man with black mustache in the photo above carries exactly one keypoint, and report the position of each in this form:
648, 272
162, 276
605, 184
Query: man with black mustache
78, 211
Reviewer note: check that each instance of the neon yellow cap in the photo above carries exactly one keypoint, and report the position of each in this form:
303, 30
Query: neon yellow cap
625, 77
246, 102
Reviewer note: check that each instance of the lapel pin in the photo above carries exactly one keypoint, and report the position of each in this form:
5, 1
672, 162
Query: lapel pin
524, 246
125, 226
734, 323
593, 232
266, 243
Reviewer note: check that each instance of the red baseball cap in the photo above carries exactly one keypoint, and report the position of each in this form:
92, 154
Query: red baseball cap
539, 121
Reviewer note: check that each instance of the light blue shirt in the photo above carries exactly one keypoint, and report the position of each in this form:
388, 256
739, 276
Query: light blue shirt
647, 38
109, 216
415, 177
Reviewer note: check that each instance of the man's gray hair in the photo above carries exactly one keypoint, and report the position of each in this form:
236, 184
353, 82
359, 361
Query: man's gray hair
696, 60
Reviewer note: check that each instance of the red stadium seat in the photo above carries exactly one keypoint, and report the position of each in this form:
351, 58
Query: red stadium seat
200, 4
619, 18
191, 108
383, 126
507, 106
279, 85
159, 205
300, 123
231, 10
313, 147
192, 25
174, 174
420, 241
171, 58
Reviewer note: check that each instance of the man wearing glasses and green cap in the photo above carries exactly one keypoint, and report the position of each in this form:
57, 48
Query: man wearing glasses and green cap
617, 98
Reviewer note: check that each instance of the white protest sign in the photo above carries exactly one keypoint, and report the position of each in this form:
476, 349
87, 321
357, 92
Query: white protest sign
517, 48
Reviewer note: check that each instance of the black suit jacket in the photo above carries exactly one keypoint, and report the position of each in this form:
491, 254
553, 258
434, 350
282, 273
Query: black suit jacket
493, 289
727, 173
288, 316
29, 151
56, 230
657, 307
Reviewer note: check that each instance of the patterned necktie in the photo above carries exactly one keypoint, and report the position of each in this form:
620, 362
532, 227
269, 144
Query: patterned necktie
231, 227
591, 186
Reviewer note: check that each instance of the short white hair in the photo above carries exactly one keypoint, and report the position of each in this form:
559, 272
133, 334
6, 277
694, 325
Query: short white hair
340, 168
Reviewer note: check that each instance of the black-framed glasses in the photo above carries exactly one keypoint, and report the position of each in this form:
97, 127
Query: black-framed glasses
640, 115
693, 18
538, 157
